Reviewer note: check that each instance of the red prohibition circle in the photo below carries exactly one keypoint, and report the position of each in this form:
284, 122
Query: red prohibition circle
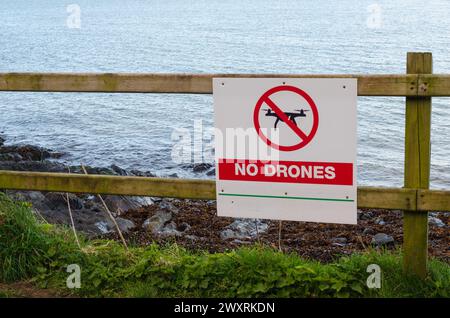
266, 97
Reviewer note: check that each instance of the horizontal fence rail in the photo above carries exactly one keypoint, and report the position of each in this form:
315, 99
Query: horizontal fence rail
368, 197
368, 85
415, 199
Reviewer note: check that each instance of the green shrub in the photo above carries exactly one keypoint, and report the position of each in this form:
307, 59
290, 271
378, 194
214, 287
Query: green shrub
30, 249
23, 241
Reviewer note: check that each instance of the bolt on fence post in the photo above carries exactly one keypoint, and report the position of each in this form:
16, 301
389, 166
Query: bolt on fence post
417, 167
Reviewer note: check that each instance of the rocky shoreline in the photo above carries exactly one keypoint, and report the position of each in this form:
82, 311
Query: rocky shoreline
88, 211
194, 224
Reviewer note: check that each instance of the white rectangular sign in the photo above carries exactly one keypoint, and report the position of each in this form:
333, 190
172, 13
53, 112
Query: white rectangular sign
286, 148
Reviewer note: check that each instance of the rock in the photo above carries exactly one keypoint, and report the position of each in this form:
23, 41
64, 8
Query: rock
119, 171
368, 231
434, 221
89, 202
28, 196
382, 239
37, 166
170, 230
165, 204
11, 157
101, 170
124, 225
156, 223
30, 153
201, 167
211, 172
103, 227
37, 199
379, 221
143, 201
120, 204
339, 240
227, 234
90, 222
57, 200
138, 173
53, 208
244, 229
364, 215
19, 153
241, 242
52, 201
57, 154
93, 170
183, 227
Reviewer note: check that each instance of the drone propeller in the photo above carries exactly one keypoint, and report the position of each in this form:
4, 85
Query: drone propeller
302, 110
266, 109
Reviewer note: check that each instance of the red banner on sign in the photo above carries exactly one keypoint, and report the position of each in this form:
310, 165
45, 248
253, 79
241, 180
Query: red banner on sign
286, 171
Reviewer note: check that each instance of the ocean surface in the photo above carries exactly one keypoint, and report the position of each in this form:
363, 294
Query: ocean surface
136, 131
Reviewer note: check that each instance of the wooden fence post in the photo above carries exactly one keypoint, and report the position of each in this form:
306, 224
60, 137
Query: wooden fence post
417, 167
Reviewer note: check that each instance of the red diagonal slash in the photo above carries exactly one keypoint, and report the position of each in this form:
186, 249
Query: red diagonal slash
285, 118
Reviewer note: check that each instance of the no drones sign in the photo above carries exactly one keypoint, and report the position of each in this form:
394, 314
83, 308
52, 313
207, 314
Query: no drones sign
286, 148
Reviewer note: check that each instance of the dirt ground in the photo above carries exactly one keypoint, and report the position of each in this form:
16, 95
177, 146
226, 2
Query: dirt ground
323, 242
26, 290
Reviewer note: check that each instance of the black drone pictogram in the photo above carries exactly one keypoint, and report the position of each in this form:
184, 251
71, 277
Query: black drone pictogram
290, 115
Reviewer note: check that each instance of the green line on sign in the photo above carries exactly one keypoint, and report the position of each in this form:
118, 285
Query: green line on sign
283, 197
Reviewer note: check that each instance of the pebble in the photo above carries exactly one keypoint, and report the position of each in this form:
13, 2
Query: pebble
124, 225
170, 230
367, 215
368, 231
435, 221
340, 240
168, 206
244, 229
382, 239
156, 222
103, 227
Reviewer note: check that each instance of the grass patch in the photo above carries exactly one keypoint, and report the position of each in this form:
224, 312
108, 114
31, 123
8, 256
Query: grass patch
5, 294
41, 252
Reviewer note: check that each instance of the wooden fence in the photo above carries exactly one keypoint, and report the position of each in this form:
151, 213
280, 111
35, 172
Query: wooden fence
415, 199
